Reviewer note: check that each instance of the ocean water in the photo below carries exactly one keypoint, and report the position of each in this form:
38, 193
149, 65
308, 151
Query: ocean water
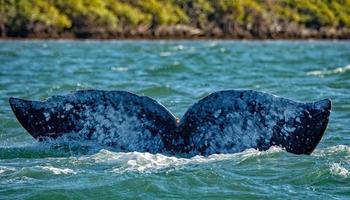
177, 74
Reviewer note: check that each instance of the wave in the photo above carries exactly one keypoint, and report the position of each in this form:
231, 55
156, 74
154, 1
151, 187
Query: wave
321, 73
333, 150
337, 170
121, 162
327, 164
4, 169
338, 159
147, 162
58, 171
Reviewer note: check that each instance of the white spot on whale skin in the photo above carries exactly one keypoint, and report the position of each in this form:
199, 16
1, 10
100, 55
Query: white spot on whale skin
114, 127
217, 113
68, 107
289, 129
47, 116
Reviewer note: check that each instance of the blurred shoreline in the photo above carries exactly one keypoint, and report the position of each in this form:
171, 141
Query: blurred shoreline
175, 19
171, 33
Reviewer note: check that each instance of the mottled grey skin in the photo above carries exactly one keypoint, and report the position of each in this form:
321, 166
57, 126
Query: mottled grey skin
223, 122
135, 123
231, 121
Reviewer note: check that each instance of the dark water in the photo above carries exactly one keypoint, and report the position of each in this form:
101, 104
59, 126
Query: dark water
176, 73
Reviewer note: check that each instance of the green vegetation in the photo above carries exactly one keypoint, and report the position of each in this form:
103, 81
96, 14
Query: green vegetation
221, 18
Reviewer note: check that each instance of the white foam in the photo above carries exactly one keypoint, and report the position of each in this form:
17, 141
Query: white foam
165, 54
57, 171
179, 47
333, 150
338, 170
5, 169
321, 73
120, 69
147, 162
251, 153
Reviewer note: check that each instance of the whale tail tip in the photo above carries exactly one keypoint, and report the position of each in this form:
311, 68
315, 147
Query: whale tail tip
19, 106
316, 125
325, 104
26, 114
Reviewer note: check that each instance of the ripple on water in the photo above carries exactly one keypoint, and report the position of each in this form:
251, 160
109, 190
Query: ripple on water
326, 72
246, 171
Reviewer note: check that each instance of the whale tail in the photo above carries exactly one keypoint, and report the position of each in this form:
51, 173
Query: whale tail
223, 122
316, 117
231, 121
28, 113
309, 132
120, 119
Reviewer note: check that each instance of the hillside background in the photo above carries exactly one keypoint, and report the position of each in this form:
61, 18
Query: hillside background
249, 19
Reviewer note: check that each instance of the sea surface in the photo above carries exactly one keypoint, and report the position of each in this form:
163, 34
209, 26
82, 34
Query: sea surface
177, 74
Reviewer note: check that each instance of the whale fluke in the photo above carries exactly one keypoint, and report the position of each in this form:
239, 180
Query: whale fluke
231, 121
223, 122
116, 118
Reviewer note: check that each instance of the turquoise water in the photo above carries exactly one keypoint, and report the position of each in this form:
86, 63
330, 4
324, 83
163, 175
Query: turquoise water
177, 74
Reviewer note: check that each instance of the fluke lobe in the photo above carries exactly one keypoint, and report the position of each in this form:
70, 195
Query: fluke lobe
224, 122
